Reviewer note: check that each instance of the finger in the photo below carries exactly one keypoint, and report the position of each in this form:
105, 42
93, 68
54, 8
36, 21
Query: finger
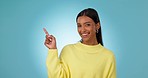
45, 31
52, 36
49, 37
47, 41
47, 45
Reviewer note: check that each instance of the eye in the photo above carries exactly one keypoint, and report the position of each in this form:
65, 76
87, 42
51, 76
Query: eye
88, 24
78, 25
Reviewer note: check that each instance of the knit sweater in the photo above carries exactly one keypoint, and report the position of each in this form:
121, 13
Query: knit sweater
81, 61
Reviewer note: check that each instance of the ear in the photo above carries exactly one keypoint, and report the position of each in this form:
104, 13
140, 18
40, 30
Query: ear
97, 26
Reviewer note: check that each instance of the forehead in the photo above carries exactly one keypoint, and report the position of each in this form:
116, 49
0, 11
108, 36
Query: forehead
83, 19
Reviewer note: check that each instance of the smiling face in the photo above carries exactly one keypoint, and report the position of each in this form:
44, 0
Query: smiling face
87, 29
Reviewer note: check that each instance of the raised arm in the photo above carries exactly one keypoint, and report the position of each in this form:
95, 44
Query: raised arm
57, 68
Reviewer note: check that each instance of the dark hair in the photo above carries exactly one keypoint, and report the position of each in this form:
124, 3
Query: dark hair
92, 13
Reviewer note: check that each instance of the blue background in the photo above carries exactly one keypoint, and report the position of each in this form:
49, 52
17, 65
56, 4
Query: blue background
22, 51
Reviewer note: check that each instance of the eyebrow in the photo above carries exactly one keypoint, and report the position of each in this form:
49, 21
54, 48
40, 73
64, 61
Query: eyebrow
87, 22
84, 23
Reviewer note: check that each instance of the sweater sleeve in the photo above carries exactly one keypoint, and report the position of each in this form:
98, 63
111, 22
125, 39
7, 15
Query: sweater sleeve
56, 67
112, 70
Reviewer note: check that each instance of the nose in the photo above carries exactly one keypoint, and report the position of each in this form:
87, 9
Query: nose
83, 29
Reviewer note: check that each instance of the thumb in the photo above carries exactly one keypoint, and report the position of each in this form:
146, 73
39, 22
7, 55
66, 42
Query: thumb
47, 45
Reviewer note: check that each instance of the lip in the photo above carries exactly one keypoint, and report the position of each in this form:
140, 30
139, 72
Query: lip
85, 35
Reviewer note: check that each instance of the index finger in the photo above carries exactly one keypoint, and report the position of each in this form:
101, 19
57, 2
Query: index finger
45, 31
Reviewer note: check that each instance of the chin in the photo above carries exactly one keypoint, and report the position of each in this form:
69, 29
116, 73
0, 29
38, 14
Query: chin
85, 40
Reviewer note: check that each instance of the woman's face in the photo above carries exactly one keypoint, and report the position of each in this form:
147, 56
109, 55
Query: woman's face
87, 28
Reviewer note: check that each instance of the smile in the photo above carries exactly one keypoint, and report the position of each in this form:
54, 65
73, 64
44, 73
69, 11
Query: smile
85, 35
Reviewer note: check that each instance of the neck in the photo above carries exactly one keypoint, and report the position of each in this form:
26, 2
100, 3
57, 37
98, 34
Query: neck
94, 42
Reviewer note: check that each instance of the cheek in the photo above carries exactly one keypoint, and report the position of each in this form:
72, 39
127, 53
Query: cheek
93, 30
78, 30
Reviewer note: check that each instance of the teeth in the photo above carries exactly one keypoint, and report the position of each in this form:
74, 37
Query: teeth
84, 34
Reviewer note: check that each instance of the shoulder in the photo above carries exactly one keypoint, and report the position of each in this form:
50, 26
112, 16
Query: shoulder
107, 52
108, 55
67, 51
68, 48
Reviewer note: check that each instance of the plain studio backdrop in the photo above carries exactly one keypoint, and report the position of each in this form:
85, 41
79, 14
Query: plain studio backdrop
22, 51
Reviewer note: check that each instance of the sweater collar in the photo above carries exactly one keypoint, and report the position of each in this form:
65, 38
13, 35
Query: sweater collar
89, 48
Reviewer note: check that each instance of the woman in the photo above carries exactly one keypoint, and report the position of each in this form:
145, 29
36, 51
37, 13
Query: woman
85, 59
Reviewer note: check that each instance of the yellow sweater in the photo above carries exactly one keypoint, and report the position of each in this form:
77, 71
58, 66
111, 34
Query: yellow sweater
81, 61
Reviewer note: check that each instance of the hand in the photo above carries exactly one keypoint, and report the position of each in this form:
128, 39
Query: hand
50, 41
